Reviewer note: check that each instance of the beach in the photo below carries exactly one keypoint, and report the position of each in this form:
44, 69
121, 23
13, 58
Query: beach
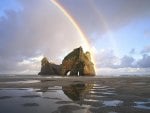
56, 94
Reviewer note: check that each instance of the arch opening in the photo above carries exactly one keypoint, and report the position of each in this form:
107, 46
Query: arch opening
68, 73
78, 74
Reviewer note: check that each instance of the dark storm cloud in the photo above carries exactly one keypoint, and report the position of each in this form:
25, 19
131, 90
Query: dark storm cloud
38, 28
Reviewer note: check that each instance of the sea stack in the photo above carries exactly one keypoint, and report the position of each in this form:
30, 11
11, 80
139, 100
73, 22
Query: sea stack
48, 68
76, 63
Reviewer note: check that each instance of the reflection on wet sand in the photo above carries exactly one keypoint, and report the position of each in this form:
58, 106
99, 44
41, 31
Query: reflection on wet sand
77, 92
142, 105
69, 109
108, 95
88, 94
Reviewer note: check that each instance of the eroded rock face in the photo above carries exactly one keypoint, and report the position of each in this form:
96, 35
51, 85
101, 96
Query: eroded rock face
49, 68
78, 63
75, 63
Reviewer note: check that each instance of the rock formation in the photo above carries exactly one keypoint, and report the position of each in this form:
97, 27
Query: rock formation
78, 63
75, 63
49, 68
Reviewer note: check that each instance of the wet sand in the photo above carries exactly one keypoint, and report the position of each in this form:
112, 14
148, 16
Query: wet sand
36, 94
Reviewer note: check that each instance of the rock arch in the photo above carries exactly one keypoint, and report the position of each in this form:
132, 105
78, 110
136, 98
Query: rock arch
78, 61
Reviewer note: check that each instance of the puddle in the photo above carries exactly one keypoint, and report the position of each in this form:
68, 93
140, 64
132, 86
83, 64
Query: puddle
75, 98
45, 90
5, 97
30, 104
112, 103
23, 82
100, 87
108, 93
52, 98
55, 88
142, 105
31, 96
102, 93
97, 85
64, 102
94, 96
92, 92
68, 109
91, 100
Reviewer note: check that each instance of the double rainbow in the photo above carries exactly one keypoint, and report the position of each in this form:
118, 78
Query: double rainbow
76, 26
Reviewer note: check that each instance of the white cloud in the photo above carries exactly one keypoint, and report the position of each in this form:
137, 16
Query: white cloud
122, 71
39, 28
107, 58
108, 63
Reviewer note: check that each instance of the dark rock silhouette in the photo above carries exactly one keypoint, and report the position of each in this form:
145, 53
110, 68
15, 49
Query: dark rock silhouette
49, 68
75, 63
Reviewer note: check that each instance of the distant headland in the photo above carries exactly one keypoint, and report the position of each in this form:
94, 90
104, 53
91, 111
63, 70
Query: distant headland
76, 63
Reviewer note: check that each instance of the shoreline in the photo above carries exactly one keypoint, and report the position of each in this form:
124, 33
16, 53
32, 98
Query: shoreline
35, 81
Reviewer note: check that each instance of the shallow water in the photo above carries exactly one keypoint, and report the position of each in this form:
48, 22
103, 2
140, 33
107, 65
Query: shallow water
68, 95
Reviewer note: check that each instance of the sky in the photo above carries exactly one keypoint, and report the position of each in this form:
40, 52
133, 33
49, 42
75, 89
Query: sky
118, 32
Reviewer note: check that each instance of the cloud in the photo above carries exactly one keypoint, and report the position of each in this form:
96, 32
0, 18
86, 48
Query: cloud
37, 29
146, 50
107, 59
123, 71
109, 63
126, 61
102, 15
144, 62
132, 51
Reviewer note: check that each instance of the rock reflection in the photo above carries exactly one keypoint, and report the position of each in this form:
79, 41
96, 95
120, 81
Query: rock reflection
77, 92
42, 89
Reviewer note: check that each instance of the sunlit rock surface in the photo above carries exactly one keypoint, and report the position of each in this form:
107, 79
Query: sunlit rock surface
76, 63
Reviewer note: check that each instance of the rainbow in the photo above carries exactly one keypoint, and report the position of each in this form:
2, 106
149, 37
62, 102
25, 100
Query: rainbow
104, 24
77, 27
